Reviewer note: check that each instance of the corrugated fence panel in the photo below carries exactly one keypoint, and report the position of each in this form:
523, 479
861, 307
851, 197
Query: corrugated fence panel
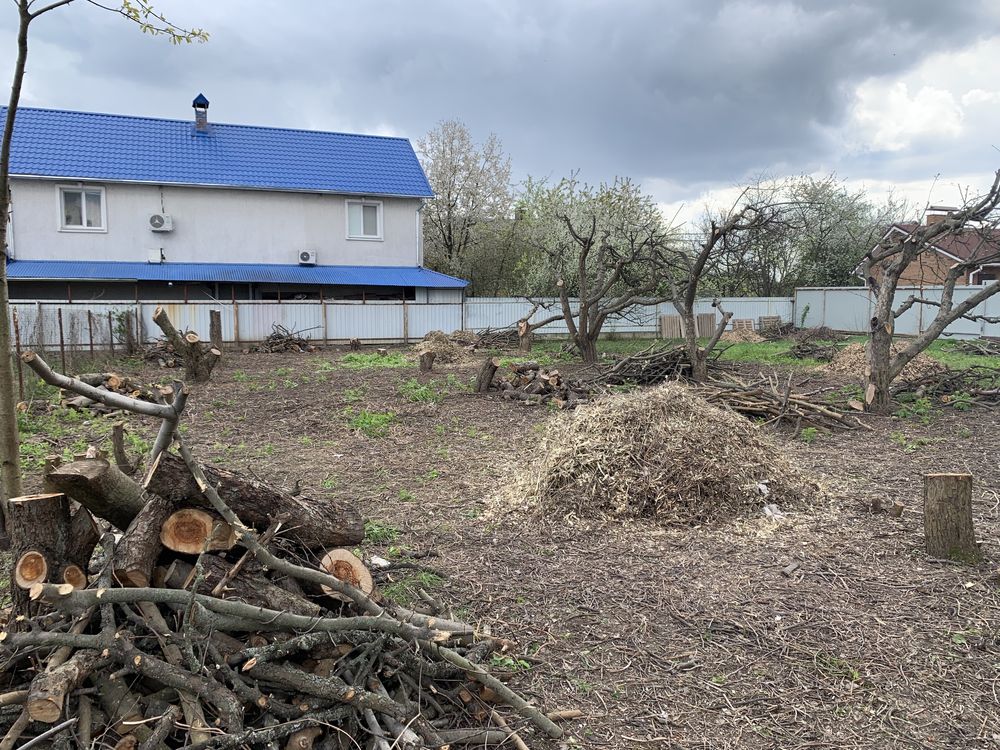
371, 321
421, 319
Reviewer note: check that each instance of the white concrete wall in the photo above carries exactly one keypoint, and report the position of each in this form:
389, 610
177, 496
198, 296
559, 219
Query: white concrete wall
212, 225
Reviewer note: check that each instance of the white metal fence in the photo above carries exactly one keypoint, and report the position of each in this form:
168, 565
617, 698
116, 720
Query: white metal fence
95, 325
850, 309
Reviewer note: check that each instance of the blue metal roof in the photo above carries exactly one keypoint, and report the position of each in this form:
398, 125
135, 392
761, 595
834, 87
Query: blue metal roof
86, 145
238, 273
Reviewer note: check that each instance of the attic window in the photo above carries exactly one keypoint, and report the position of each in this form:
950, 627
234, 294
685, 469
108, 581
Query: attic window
364, 220
81, 209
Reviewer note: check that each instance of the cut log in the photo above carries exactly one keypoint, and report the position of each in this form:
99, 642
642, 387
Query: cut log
252, 589
345, 565
31, 568
314, 524
48, 690
948, 524
138, 549
486, 372
192, 531
101, 488
427, 361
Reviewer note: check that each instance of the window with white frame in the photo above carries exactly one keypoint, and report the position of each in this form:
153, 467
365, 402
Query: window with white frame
364, 220
82, 209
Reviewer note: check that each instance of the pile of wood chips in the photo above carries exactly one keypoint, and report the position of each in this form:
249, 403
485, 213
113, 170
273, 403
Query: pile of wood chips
201, 608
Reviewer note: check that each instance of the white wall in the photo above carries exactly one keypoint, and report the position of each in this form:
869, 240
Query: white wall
211, 225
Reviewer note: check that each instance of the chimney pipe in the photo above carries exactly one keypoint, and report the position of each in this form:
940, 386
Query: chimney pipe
937, 213
200, 105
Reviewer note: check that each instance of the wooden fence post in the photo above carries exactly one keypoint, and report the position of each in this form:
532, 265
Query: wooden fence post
215, 328
17, 351
948, 528
62, 339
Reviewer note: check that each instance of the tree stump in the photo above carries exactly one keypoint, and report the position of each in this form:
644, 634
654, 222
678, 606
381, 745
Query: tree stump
525, 335
382, 352
199, 359
948, 528
485, 377
215, 328
427, 361
355, 345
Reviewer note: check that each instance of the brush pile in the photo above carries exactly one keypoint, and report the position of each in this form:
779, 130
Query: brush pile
496, 338
766, 400
853, 360
533, 384
281, 339
162, 353
205, 609
819, 333
663, 453
978, 347
648, 367
824, 352
442, 346
772, 328
958, 388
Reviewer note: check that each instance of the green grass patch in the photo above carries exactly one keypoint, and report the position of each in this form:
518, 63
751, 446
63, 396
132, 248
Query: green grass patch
372, 423
373, 361
404, 590
765, 353
944, 351
377, 532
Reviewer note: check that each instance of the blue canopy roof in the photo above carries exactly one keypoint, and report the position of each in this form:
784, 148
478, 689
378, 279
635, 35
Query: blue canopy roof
91, 146
238, 273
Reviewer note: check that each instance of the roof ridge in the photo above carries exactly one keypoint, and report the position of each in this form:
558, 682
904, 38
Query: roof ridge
148, 118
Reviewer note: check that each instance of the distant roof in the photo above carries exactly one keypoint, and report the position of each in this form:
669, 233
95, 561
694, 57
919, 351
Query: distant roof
966, 245
91, 146
238, 273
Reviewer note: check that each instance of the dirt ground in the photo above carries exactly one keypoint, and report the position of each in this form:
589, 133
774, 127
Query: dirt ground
663, 637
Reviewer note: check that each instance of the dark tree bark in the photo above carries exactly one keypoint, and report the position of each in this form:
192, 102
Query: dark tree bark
314, 524
486, 372
948, 526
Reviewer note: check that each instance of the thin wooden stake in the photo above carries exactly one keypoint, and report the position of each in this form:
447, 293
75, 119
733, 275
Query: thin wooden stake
111, 333
17, 349
90, 329
62, 340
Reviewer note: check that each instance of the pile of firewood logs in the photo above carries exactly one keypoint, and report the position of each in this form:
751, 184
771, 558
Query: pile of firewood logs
115, 383
531, 383
200, 608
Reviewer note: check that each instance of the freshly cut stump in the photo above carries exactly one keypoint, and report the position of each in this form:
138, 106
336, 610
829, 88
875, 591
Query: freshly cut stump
30, 569
345, 565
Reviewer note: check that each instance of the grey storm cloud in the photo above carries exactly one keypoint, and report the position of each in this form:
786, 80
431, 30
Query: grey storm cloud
691, 92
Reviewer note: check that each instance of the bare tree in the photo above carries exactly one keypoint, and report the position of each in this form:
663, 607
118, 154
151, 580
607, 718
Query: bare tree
974, 226
149, 21
602, 250
472, 194
729, 236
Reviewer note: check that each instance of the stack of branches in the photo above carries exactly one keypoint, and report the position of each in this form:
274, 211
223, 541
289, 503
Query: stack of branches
531, 383
979, 347
650, 366
811, 349
769, 400
777, 331
961, 388
282, 339
496, 338
115, 383
161, 352
220, 612
818, 333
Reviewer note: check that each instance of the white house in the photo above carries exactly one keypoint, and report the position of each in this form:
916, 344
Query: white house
118, 207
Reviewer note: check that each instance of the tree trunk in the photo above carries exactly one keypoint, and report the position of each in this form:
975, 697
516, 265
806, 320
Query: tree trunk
199, 359
878, 373
486, 372
314, 524
699, 366
215, 328
948, 527
101, 488
588, 348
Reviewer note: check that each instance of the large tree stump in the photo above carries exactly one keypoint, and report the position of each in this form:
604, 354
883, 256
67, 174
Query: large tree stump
948, 528
101, 488
314, 524
525, 335
485, 377
199, 359
427, 361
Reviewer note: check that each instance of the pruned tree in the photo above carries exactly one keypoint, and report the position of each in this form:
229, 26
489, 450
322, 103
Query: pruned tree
760, 209
974, 226
472, 204
149, 21
602, 250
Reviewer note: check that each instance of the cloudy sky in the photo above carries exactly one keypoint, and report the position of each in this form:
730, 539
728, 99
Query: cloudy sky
690, 97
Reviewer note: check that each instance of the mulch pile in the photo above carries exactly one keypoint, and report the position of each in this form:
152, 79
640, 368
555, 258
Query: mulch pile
444, 347
742, 336
852, 360
661, 453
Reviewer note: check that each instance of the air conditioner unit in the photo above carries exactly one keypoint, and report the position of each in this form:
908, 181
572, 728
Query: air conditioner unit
161, 222
307, 258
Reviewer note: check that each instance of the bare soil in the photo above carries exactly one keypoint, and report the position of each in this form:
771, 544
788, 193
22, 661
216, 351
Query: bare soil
663, 637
